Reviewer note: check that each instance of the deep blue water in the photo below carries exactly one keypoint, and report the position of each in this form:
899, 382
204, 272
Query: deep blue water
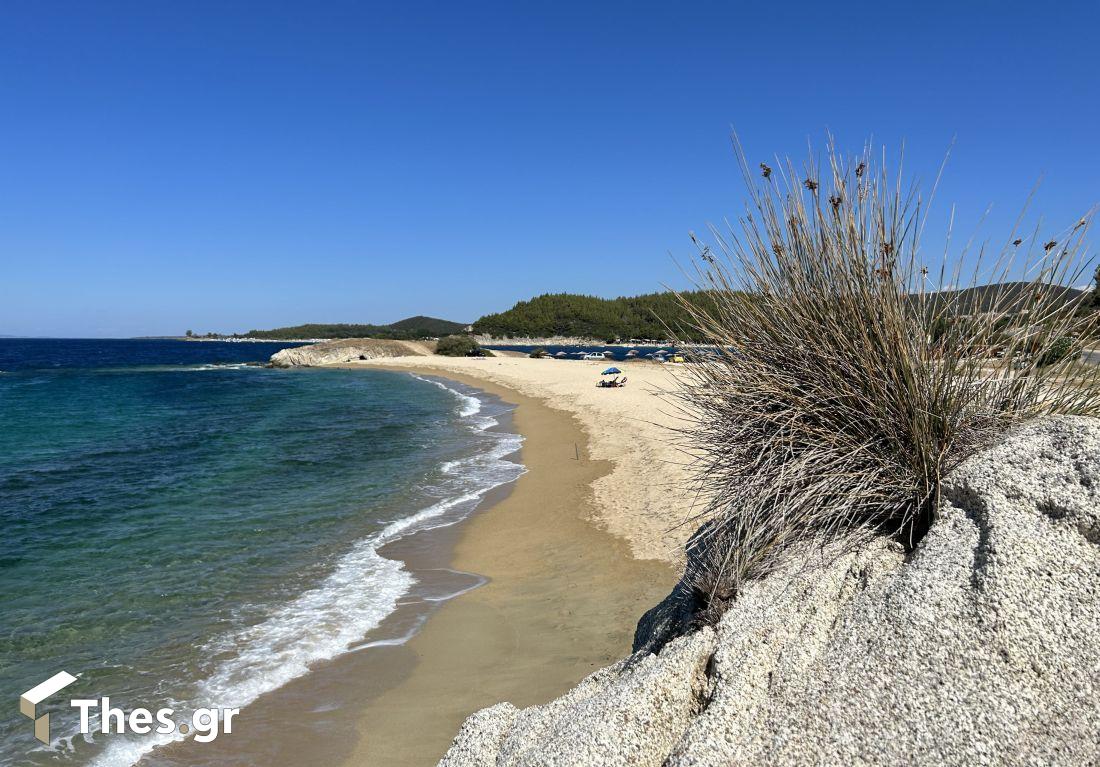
179, 527
50, 353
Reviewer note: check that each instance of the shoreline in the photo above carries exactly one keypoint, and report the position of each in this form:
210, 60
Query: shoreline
562, 598
642, 499
312, 717
547, 596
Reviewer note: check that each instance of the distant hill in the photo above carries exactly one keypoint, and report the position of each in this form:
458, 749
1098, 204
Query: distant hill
569, 314
1007, 295
437, 327
410, 329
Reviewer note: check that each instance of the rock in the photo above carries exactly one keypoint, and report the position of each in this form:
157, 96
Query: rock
630, 713
348, 350
479, 739
980, 647
679, 612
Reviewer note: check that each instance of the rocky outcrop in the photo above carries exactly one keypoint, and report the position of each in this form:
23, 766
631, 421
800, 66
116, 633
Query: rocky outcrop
980, 647
348, 350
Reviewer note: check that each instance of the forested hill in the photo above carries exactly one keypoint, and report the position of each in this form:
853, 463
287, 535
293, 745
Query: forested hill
1011, 295
408, 329
429, 325
568, 314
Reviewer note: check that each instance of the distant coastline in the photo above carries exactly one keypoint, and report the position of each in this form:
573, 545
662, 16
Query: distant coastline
485, 340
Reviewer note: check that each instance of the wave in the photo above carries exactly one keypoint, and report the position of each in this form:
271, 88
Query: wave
364, 588
318, 625
468, 405
200, 368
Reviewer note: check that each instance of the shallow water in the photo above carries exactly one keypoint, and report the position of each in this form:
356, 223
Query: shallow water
181, 529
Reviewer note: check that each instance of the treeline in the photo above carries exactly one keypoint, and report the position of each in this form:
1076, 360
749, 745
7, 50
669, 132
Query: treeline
411, 329
337, 330
569, 314
649, 316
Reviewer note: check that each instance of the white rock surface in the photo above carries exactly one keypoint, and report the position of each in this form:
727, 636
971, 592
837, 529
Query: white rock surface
347, 350
982, 647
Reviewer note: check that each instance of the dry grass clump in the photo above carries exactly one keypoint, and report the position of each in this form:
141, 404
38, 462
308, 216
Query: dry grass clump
848, 379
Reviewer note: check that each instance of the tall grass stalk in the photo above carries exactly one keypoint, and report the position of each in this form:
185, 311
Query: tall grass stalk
850, 374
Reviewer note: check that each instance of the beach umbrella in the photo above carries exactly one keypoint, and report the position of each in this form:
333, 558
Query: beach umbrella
611, 372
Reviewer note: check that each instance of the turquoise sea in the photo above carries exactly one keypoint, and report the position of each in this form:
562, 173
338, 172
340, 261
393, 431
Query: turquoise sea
181, 528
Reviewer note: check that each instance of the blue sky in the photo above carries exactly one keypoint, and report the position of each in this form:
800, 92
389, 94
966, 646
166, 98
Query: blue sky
229, 165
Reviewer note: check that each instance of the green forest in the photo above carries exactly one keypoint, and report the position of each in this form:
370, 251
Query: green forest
410, 329
568, 314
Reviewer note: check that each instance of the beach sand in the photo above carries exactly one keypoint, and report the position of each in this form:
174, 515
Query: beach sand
642, 498
574, 554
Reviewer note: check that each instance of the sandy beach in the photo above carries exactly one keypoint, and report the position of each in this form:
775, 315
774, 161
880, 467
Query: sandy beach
574, 554
560, 565
641, 499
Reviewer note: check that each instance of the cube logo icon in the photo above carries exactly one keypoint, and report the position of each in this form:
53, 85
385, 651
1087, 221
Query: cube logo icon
28, 702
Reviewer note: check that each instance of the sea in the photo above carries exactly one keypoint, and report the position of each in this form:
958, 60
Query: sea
182, 527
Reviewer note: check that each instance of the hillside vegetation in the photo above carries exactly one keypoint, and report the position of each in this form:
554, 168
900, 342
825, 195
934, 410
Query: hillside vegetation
410, 329
1008, 297
650, 315
569, 314
436, 327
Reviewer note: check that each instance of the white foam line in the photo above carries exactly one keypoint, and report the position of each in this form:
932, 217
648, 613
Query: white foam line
197, 368
325, 621
481, 581
470, 405
319, 624
393, 641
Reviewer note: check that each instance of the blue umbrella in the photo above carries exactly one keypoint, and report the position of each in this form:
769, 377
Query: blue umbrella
611, 372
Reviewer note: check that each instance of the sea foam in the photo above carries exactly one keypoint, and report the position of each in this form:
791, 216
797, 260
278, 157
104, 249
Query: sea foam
327, 620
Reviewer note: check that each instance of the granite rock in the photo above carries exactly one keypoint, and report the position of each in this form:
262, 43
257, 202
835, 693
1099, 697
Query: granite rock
980, 647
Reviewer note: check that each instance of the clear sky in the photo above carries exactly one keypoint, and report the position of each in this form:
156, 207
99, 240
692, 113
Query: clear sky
227, 165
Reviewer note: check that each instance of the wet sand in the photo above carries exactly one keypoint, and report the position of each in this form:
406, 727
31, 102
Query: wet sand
562, 600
